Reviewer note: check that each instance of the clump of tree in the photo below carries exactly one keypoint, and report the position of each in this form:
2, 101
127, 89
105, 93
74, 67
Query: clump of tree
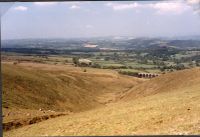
129, 73
130, 67
100, 54
97, 57
179, 67
115, 67
15, 63
198, 63
75, 60
143, 61
171, 68
96, 65
66, 61
107, 58
159, 63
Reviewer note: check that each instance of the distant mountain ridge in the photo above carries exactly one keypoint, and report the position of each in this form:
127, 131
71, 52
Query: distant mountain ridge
121, 43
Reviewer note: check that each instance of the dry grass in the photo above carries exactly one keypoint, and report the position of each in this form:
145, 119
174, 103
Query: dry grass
169, 104
177, 81
165, 113
61, 88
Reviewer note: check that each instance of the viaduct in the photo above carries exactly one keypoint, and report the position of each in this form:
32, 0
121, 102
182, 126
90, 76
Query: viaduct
147, 75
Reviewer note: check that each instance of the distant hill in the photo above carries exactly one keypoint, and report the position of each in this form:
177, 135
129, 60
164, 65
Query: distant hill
121, 43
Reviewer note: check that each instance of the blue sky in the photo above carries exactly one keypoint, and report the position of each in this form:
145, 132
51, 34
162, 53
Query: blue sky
93, 19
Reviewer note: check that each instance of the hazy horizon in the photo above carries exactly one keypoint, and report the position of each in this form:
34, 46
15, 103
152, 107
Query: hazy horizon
113, 37
66, 20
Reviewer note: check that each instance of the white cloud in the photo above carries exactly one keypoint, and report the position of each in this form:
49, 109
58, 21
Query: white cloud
119, 6
73, 4
195, 4
159, 7
89, 26
75, 7
193, 1
21, 8
169, 7
45, 3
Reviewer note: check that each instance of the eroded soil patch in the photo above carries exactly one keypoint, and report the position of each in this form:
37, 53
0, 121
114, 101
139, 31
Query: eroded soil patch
23, 122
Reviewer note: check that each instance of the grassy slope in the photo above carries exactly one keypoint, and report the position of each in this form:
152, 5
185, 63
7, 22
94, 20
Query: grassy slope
169, 104
65, 89
173, 82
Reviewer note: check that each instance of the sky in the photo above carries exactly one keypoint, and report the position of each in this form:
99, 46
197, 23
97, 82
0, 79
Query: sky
101, 18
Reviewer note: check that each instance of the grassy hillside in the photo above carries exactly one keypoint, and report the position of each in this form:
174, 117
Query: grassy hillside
185, 80
35, 86
169, 104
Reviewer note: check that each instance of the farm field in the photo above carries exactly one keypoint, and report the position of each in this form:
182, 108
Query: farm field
107, 61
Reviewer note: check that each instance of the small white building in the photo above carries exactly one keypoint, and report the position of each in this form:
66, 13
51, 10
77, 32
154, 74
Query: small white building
90, 46
85, 62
